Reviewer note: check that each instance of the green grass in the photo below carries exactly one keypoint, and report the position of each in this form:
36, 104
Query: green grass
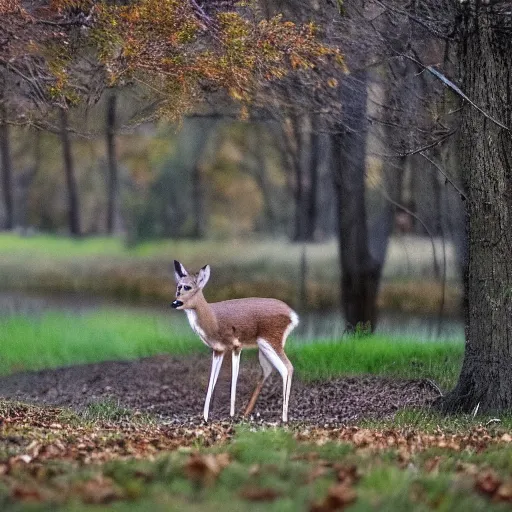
380, 355
430, 420
253, 253
52, 340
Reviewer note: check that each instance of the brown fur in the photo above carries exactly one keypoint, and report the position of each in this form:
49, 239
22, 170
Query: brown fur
238, 323
231, 325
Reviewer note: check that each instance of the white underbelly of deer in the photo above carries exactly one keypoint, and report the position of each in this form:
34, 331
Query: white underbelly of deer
216, 325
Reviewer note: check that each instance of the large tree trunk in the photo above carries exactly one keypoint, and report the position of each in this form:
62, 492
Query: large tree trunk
486, 157
360, 272
73, 206
5, 154
112, 163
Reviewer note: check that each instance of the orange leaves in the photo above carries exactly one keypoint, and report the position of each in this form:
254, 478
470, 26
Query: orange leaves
407, 442
46, 437
98, 491
490, 483
9, 6
206, 468
338, 497
174, 47
253, 493
188, 51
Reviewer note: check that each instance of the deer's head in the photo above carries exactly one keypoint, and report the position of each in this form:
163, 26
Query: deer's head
188, 285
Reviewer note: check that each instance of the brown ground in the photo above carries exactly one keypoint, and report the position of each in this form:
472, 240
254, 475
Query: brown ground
174, 389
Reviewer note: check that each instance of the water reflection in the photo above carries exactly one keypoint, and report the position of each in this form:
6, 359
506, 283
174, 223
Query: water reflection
313, 325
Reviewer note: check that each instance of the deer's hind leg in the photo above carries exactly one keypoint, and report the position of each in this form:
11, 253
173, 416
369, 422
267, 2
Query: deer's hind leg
266, 370
282, 364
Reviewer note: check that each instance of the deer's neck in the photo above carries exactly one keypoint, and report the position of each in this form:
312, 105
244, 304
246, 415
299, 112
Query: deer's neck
202, 319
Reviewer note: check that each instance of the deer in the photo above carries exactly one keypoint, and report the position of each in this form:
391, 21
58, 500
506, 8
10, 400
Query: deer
232, 325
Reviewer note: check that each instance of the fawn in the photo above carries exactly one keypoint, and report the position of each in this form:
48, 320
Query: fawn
232, 325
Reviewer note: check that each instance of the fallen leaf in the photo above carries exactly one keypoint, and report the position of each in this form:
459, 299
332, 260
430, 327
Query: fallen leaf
338, 496
254, 469
315, 473
24, 493
432, 464
487, 481
362, 438
504, 492
206, 467
99, 491
347, 474
467, 468
259, 494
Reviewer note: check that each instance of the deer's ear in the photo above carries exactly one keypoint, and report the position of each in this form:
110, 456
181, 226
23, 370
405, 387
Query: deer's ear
203, 276
179, 270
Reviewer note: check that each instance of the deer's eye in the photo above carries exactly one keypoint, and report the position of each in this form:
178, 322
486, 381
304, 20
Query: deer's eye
187, 288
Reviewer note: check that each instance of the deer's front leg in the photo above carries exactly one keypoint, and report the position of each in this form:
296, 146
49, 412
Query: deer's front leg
235, 366
216, 364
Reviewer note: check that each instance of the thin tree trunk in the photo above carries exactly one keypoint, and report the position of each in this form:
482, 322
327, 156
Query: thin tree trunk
360, 272
112, 163
199, 229
73, 204
260, 175
5, 153
24, 181
200, 135
299, 181
313, 164
485, 382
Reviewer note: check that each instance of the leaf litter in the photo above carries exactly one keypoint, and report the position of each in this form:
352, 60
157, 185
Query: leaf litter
39, 446
140, 412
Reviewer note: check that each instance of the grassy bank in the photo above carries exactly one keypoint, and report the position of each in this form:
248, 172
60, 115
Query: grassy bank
380, 355
52, 459
105, 266
52, 340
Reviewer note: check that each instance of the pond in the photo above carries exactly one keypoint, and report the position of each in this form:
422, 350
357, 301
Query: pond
313, 325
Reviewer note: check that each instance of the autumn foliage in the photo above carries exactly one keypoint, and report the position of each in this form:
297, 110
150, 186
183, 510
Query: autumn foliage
176, 49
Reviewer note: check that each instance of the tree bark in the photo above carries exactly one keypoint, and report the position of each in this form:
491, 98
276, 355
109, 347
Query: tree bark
112, 163
486, 157
360, 272
5, 153
73, 204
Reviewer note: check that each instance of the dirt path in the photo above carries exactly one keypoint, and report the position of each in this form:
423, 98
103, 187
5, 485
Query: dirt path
174, 389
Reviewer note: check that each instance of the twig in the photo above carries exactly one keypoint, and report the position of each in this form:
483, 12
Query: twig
413, 18
452, 86
428, 146
447, 178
